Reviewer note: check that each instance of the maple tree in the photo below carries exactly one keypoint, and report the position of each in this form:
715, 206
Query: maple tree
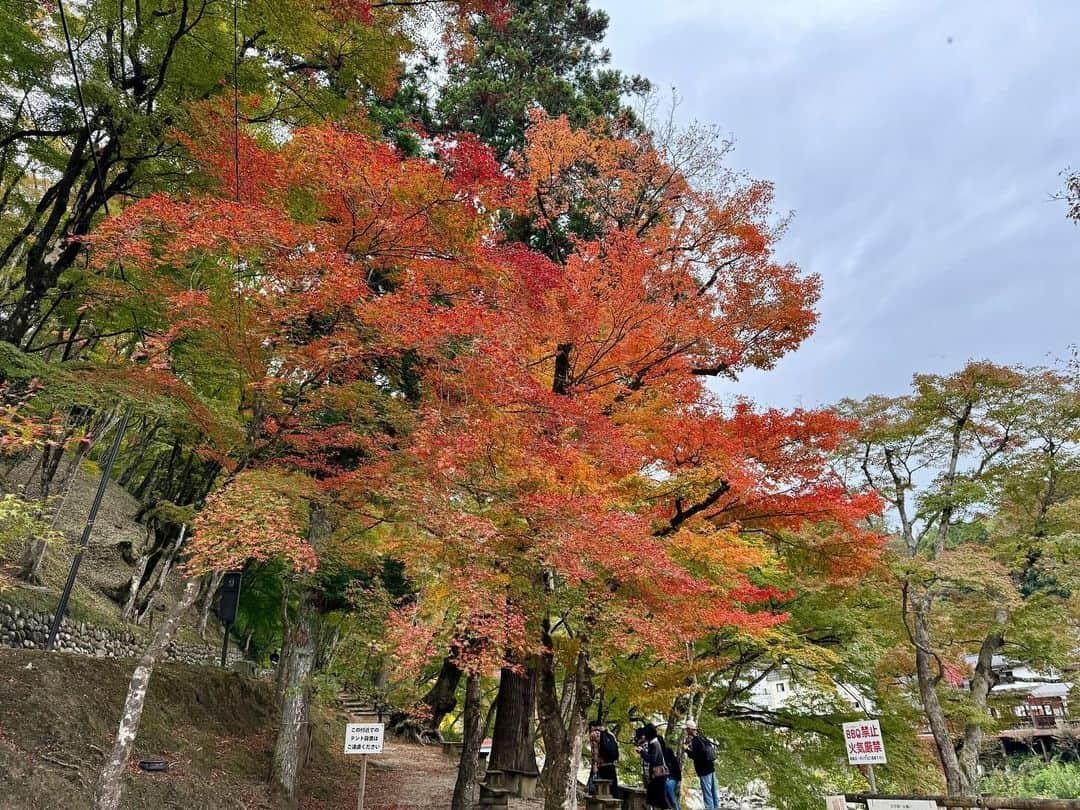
343, 314
580, 472
290, 304
139, 67
977, 468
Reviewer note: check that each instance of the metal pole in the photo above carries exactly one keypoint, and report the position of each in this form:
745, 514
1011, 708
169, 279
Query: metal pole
363, 782
225, 645
61, 608
872, 778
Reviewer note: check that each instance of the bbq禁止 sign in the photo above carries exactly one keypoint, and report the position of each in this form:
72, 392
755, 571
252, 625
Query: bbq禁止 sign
364, 738
865, 745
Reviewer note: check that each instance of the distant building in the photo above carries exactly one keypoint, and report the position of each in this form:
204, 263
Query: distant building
778, 690
1026, 698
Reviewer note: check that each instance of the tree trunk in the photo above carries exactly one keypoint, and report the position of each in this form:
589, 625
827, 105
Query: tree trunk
33, 559
133, 587
935, 715
213, 582
562, 740
162, 577
515, 707
441, 699
138, 454
469, 767
982, 681
151, 475
296, 667
107, 791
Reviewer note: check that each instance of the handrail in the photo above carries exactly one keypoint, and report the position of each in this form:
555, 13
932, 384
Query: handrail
989, 802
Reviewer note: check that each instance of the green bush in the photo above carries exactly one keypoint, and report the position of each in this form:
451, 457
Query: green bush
1033, 778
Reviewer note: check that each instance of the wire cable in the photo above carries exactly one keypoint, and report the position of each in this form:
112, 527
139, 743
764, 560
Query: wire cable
82, 106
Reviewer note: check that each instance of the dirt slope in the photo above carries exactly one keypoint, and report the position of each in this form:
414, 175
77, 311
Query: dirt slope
58, 713
103, 566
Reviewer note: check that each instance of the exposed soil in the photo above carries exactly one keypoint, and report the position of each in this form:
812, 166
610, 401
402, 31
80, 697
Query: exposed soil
58, 715
415, 777
58, 712
103, 567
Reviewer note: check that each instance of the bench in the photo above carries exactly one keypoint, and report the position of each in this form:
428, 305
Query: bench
452, 748
633, 798
519, 783
602, 799
493, 797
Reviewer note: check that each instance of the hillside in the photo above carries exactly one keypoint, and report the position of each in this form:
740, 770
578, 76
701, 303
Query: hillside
103, 565
58, 713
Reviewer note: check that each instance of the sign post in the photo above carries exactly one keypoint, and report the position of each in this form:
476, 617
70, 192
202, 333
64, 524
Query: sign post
363, 739
865, 746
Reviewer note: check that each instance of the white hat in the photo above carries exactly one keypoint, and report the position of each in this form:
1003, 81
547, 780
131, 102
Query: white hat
690, 724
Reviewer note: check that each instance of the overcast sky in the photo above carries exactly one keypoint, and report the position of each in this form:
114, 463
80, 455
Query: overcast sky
917, 143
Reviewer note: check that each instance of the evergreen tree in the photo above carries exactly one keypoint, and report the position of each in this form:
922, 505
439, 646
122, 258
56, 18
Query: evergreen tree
545, 53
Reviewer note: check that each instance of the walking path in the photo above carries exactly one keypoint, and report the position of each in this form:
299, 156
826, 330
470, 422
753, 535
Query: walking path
407, 776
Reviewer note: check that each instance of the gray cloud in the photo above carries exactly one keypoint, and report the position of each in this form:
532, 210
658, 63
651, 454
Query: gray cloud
919, 169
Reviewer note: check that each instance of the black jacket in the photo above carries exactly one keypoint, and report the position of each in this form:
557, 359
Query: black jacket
674, 768
652, 754
702, 766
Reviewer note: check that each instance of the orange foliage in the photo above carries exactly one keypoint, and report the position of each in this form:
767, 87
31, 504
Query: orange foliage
560, 451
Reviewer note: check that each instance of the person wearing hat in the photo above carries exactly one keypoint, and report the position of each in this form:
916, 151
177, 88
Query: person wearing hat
702, 753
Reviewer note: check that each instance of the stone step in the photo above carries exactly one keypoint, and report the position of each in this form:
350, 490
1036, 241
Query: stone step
602, 803
493, 797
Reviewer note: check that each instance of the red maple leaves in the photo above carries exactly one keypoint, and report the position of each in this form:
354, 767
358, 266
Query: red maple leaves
542, 425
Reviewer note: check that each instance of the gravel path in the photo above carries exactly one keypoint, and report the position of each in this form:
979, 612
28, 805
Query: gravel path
416, 777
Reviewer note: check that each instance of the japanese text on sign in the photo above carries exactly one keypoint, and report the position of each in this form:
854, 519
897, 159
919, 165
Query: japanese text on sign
865, 745
901, 804
364, 738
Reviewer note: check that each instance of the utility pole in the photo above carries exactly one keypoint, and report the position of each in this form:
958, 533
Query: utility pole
225, 644
106, 470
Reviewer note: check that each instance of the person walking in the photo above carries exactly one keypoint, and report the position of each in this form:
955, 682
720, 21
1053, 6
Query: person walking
702, 753
654, 770
674, 777
605, 753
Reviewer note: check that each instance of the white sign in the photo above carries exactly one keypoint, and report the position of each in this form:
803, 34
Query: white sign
901, 804
363, 738
835, 803
864, 742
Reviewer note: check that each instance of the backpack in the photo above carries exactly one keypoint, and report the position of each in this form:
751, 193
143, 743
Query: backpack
708, 748
609, 747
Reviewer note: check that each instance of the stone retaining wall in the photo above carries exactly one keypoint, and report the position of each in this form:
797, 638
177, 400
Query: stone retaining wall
25, 628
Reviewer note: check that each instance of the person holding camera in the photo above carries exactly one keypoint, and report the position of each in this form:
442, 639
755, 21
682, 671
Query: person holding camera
654, 769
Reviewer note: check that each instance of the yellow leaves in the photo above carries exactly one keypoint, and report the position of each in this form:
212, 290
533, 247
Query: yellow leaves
967, 572
719, 554
970, 569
